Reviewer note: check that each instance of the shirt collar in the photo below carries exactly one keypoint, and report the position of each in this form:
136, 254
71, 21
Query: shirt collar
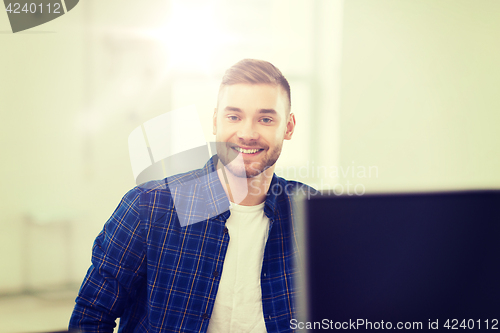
218, 202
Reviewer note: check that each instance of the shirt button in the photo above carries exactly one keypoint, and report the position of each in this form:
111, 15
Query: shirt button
216, 274
270, 318
226, 230
265, 274
205, 316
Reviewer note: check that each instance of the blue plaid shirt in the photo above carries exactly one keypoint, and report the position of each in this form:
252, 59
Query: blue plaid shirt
158, 267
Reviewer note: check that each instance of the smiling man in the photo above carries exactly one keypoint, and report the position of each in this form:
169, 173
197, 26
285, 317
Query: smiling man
210, 250
251, 121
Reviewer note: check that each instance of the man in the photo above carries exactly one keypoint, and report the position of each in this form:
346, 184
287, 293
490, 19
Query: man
212, 249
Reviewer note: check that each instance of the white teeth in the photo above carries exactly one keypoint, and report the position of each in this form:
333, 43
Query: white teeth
246, 151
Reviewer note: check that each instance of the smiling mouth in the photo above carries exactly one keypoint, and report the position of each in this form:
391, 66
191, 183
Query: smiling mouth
246, 151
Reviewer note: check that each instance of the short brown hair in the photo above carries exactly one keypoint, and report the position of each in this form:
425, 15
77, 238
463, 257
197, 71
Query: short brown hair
255, 71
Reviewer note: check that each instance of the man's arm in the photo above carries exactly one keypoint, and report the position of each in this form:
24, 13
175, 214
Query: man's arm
117, 266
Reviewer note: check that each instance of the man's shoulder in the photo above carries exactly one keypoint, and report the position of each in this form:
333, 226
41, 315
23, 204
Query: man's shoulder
197, 176
157, 197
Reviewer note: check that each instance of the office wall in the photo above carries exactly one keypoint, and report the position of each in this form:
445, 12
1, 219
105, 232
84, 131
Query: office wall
419, 94
41, 94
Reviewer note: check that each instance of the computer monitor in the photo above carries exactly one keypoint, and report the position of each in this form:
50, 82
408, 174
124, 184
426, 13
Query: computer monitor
429, 258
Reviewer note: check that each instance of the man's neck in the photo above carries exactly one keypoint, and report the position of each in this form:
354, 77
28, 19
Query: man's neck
245, 191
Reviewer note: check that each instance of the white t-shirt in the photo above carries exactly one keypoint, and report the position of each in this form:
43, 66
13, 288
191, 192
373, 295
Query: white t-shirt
238, 305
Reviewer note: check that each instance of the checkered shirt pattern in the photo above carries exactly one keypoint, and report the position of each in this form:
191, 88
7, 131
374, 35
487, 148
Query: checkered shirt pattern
160, 276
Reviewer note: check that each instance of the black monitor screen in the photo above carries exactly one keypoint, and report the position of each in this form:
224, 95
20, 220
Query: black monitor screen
405, 258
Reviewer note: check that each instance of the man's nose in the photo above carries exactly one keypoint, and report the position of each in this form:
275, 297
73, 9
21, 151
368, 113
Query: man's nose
247, 131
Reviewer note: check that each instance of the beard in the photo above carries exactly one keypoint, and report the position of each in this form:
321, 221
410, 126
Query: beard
235, 163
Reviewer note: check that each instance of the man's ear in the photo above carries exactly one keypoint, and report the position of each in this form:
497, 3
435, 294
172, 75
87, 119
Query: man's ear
214, 129
290, 126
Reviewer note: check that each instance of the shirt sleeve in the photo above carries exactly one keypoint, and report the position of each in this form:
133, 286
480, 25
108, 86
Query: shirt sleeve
117, 269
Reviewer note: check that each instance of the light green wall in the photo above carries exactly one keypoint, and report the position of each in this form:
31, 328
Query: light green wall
420, 93
40, 95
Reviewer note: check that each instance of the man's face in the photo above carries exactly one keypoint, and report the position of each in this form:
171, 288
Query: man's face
251, 120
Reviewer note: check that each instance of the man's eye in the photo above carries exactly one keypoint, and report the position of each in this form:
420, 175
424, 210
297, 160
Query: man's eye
232, 118
267, 120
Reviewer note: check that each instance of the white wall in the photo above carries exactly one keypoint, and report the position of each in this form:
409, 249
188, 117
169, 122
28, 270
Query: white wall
41, 176
419, 94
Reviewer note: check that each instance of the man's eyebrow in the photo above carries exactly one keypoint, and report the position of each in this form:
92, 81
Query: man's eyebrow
269, 111
232, 108
235, 109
